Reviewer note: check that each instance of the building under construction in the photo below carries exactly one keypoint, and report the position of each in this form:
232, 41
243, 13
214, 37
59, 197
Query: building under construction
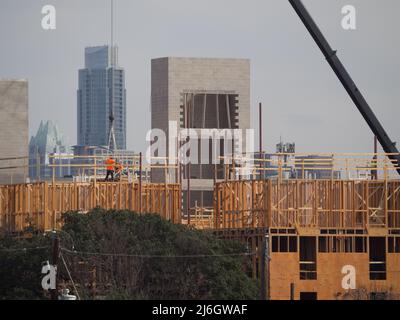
331, 235
307, 235
315, 231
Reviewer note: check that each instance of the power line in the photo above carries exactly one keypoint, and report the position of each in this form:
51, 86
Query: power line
156, 256
24, 249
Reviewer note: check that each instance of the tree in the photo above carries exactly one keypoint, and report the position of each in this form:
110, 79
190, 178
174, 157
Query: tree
125, 255
171, 262
20, 267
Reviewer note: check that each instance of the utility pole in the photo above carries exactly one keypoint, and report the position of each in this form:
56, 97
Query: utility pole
264, 293
260, 129
54, 262
263, 282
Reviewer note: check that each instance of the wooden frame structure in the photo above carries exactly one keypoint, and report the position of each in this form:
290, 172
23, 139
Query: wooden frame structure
308, 204
315, 228
40, 205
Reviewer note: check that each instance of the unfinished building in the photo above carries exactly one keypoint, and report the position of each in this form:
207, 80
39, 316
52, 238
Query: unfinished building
200, 94
326, 239
13, 131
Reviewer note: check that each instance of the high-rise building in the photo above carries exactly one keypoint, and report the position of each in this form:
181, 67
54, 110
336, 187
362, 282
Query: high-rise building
47, 147
14, 133
101, 89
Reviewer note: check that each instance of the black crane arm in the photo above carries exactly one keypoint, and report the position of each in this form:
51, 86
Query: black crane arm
337, 66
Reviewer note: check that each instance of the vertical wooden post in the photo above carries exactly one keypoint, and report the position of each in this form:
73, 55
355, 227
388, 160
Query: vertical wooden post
280, 170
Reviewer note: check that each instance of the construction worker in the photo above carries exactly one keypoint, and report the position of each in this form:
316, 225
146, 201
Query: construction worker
118, 170
110, 166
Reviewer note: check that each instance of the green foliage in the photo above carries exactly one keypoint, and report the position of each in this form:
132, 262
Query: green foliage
139, 275
20, 269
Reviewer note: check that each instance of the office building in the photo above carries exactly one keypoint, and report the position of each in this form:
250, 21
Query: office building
101, 89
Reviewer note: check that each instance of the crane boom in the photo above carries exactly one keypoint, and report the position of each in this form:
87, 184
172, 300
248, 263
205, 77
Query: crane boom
387, 144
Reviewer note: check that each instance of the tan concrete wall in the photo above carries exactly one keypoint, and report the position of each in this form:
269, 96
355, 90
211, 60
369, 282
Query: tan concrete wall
14, 133
209, 74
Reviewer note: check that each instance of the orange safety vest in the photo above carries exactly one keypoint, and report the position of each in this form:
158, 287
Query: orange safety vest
110, 164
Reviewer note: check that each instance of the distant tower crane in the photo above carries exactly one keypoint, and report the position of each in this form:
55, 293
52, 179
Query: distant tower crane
387, 144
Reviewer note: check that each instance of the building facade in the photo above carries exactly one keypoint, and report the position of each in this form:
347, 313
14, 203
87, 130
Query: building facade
101, 89
198, 94
14, 133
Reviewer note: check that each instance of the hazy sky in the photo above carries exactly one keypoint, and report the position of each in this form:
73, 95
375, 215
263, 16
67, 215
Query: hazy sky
303, 100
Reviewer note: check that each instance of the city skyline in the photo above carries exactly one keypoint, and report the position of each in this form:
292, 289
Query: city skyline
316, 112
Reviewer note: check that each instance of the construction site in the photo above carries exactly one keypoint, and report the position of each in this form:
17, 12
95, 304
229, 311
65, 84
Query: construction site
309, 217
307, 230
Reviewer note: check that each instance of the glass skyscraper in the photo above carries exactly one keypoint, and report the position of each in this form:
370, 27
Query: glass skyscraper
101, 86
